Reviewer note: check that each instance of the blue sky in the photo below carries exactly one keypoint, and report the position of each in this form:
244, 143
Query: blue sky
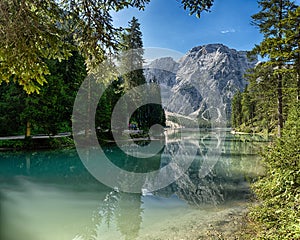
166, 24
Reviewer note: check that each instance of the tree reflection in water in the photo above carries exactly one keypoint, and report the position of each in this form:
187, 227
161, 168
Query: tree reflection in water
120, 210
129, 215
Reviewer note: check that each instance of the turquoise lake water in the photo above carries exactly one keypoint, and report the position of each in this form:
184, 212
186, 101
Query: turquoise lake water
50, 195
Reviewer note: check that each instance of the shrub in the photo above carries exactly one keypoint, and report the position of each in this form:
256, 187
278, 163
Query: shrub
278, 214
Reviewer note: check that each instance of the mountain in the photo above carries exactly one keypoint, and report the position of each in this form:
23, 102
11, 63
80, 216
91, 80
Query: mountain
202, 83
163, 71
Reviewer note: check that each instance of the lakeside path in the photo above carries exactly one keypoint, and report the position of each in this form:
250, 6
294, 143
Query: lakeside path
20, 137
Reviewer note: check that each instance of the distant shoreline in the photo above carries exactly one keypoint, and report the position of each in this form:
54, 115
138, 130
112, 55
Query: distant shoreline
65, 140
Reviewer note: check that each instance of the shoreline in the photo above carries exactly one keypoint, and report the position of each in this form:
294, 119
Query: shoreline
250, 134
266, 137
35, 143
227, 224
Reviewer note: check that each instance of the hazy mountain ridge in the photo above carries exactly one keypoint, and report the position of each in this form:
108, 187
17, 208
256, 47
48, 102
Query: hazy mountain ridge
165, 77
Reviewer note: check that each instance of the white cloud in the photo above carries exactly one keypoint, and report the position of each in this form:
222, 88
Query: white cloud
231, 30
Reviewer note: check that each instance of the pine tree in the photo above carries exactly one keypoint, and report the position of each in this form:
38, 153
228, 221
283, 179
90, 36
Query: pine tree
106, 104
132, 64
292, 39
247, 107
262, 94
236, 116
132, 55
269, 21
155, 112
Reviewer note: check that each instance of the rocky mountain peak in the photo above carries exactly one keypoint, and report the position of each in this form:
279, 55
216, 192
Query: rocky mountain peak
210, 48
210, 71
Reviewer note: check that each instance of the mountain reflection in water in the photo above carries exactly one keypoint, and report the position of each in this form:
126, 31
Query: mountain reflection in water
50, 194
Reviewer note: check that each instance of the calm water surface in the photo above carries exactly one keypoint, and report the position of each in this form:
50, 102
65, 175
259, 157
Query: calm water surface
49, 195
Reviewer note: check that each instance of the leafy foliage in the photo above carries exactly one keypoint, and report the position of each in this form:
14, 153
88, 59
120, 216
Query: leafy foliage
11, 105
35, 30
48, 112
31, 31
198, 6
279, 191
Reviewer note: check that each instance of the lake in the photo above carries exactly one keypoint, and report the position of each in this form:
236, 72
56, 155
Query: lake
51, 195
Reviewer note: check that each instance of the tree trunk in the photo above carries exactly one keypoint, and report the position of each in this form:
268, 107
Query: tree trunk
298, 86
279, 83
298, 75
279, 105
28, 129
88, 122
